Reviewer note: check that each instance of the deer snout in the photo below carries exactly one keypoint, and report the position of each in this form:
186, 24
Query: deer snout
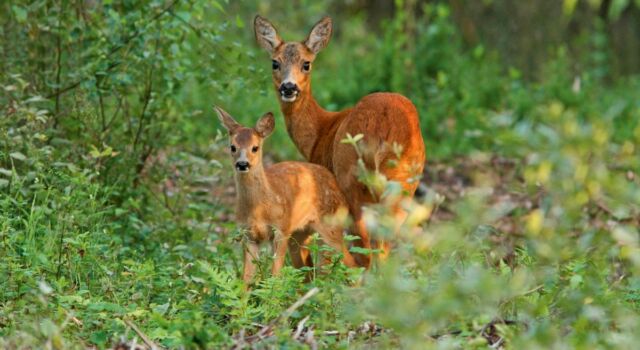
288, 89
242, 165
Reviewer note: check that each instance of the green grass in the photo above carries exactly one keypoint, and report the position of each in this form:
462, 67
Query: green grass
528, 236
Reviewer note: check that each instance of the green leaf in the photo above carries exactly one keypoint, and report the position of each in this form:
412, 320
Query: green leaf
360, 250
239, 22
18, 156
99, 338
218, 6
20, 13
568, 6
350, 238
617, 7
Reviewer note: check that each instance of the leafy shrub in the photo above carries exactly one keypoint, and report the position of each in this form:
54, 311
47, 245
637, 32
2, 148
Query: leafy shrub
116, 192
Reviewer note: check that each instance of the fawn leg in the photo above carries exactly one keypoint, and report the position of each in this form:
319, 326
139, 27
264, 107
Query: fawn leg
279, 252
332, 236
299, 253
251, 252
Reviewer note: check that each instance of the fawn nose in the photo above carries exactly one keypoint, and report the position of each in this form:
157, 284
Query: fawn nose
288, 89
242, 166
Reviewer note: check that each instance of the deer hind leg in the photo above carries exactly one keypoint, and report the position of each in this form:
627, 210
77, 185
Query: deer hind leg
300, 254
360, 229
356, 195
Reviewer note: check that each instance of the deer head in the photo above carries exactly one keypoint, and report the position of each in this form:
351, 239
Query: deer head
246, 143
291, 61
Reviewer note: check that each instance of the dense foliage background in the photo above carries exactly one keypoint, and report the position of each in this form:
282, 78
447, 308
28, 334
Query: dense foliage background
116, 194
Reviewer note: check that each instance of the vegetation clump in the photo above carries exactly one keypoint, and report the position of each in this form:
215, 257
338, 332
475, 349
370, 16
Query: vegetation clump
116, 198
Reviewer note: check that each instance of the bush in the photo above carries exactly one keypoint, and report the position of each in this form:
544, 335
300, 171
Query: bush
117, 194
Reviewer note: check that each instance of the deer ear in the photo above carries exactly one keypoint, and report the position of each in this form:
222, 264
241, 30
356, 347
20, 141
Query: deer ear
227, 121
319, 36
266, 34
265, 125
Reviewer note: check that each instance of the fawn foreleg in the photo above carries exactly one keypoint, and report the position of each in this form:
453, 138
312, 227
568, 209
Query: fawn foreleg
251, 251
280, 245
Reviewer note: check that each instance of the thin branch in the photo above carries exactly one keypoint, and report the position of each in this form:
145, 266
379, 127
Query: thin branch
287, 313
103, 121
267, 331
143, 336
58, 64
300, 327
147, 99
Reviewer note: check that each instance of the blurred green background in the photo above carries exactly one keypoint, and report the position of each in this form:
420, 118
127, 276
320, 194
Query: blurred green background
116, 194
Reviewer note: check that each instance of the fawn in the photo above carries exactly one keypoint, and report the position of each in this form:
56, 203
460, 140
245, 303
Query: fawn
386, 120
283, 203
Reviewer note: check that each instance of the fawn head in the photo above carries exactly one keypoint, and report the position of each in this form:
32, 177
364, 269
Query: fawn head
291, 61
246, 143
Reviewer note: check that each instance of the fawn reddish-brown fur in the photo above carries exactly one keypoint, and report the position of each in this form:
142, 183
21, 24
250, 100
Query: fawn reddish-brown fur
284, 203
383, 119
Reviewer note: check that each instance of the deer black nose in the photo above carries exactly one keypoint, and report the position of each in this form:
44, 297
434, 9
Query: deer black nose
242, 166
288, 88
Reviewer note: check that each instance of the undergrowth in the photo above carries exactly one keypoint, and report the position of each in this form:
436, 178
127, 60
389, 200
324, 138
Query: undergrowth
116, 194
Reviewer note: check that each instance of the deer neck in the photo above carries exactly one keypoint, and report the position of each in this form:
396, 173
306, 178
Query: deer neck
309, 125
251, 188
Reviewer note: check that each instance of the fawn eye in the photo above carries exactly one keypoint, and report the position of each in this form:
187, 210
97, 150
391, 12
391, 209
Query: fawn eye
306, 66
275, 65
254, 149
233, 149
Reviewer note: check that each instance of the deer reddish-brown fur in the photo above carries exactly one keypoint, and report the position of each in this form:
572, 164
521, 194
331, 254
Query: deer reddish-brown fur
283, 203
384, 119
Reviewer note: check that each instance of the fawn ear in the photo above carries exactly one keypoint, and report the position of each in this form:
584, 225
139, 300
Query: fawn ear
227, 121
266, 34
265, 125
319, 36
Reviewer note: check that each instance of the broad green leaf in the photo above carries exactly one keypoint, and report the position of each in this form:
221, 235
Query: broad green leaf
617, 7
20, 13
18, 156
568, 6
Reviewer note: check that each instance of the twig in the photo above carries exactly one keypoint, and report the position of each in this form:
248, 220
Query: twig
143, 336
297, 304
440, 335
535, 289
147, 99
58, 63
100, 106
267, 331
300, 327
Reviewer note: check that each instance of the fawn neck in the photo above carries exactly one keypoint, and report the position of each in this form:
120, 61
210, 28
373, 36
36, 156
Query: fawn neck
311, 127
252, 188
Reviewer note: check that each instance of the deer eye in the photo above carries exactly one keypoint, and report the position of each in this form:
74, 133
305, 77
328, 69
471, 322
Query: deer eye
233, 149
306, 66
254, 149
275, 65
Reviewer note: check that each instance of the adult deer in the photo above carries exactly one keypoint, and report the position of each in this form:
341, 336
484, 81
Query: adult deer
283, 203
384, 119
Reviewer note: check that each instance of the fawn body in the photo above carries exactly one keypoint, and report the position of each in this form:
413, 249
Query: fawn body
283, 203
384, 119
